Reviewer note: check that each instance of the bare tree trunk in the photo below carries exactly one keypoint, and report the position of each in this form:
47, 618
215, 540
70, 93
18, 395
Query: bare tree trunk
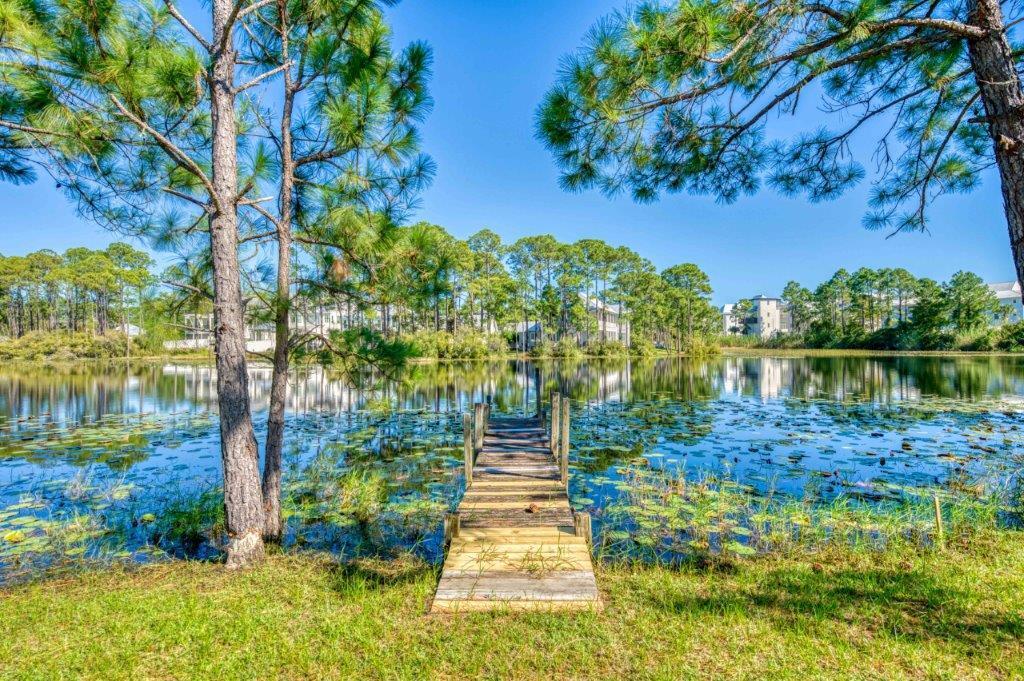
273, 525
243, 500
1003, 99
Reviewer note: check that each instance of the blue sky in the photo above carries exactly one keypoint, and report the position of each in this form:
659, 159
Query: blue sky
493, 61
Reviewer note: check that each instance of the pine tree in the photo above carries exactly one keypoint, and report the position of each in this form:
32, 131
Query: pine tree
671, 97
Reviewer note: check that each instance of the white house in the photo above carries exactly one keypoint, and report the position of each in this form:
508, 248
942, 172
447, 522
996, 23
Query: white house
608, 322
769, 317
1009, 295
259, 335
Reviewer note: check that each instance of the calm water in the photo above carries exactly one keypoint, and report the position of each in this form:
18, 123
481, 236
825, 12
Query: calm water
109, 450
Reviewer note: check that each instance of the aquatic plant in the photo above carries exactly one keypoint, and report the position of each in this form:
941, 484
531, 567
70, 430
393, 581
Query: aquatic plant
190, 522
661, 515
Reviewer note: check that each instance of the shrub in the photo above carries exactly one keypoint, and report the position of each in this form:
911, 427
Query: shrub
463, 345
566, 348
642, 347
1010, 337
59, 346
698, 346
979, 340
606, 349
737, 341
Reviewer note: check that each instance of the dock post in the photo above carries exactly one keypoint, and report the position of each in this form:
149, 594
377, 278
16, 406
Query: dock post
540, 407
467, 445
581, 521
478, 426
556, 402
563, 441
451, 527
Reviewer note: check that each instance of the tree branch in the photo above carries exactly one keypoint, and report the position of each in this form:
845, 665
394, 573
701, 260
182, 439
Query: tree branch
168, 146
173, 11
263, 76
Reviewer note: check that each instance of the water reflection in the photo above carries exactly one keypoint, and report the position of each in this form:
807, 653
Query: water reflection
90, 392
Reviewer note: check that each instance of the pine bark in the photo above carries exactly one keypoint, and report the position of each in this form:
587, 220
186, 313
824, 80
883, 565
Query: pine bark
1003, 99
243, 499
272, 523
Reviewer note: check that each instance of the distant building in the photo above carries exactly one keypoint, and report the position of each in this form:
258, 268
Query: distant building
608, 322
1008, 293
259, 335
769, 317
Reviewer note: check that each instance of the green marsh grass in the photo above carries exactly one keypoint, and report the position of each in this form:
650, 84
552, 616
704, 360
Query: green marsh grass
660, 516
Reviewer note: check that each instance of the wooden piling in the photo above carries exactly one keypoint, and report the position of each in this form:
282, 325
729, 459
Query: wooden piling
563, 441
467, 445
451, 527
581, 523
556, 403
478, 426
540, 406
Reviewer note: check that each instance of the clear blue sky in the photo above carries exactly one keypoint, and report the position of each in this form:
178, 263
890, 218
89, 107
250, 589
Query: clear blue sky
493, 62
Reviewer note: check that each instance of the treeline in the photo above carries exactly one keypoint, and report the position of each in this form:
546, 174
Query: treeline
891, 309
81, 290
570, 291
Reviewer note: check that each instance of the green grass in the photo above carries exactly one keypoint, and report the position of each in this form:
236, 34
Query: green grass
839, 614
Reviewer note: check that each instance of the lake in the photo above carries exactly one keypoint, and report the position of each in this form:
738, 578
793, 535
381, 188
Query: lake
669, 455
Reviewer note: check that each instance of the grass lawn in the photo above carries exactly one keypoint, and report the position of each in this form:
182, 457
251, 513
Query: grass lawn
955, 614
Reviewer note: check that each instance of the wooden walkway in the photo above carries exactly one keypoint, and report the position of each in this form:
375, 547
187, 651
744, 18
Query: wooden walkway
515, 542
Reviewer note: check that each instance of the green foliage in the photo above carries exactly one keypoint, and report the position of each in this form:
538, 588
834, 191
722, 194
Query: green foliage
700, 346
971, 304
1010, 337
566, 348
641, 346
464, 345
678, 96
890, 309
80, 290
190, 521
605, 349
63, 347
361, 495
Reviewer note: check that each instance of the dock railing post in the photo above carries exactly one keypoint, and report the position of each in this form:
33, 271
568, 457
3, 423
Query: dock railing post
556, 403
451, 528
478, 426
563, 442
581, 522
540, 408
467, 445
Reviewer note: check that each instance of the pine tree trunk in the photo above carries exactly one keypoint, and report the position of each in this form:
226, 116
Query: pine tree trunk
272, 521
243, 500
1003, 99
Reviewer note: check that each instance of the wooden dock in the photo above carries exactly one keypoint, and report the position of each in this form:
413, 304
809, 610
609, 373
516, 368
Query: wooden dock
515, 542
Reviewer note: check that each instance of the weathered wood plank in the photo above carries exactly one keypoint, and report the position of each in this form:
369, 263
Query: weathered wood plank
523, 502
460, 606
564, 532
